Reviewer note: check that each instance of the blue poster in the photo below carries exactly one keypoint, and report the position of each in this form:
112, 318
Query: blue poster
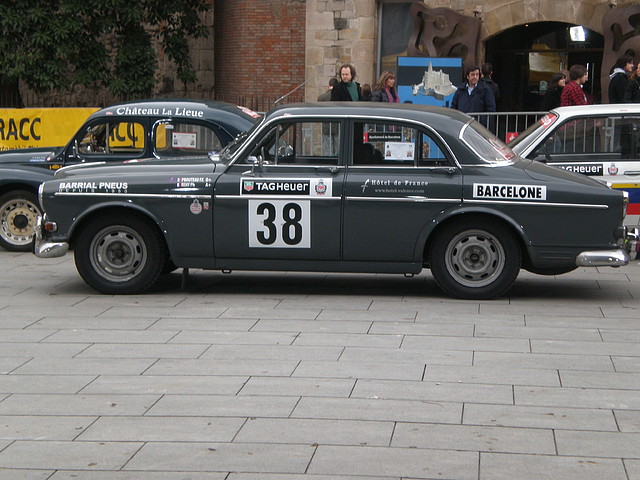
428, 80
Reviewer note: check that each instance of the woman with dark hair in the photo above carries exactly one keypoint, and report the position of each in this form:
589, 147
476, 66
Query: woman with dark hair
551, 99
384, 90
632, 92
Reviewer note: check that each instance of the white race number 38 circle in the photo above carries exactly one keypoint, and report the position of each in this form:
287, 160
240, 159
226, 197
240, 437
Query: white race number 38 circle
279, 224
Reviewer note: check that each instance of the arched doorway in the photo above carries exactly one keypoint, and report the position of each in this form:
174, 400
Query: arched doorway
525, 56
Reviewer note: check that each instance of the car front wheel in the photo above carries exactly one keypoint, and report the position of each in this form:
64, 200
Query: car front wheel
120, 255
475, 259
18, 213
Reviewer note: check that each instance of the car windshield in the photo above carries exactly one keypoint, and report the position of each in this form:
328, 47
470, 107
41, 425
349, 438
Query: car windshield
542, 124
488, 147
227, 153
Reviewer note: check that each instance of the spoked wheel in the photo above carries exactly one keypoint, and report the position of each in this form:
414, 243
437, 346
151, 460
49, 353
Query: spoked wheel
120, 255
475, 260
18, 213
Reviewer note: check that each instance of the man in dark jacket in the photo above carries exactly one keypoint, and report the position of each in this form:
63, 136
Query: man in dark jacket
347, 90
619, 79
487, 72
474, 96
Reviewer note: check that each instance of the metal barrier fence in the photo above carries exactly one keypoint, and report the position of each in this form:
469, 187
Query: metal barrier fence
507, 124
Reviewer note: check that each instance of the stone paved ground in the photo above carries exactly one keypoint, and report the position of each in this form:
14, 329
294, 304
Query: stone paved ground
265, 376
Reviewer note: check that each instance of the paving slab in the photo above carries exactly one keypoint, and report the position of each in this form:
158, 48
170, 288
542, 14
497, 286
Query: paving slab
499, 375
320, 326
465, 343
206, 366
223, 406
272, 352
599, 444
15, 383
407, 355
628, 420
298, 387
412, 463
14, 474
313, 431
225, 457
84, 366
434, 391
346, 369
578, 397
473, 438
69, 455
540, 417
165, 384
378, 409
499, 466
348, 339
38, 404
619, 380
36, 427
162, 429
582, 361
141, 351
133, 475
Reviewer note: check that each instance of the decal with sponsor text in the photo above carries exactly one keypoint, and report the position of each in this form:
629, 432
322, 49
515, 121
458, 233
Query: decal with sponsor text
509, 192
310, 187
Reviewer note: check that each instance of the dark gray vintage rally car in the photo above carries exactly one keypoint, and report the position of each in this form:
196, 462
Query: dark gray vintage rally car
337, 187
126, 131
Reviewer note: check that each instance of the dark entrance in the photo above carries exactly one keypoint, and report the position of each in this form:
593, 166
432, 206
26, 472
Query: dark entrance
526, 56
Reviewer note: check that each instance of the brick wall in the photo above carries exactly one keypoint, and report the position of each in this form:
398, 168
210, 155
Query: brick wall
259, 50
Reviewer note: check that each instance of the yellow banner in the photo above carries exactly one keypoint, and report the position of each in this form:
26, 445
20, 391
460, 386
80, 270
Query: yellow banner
40, 127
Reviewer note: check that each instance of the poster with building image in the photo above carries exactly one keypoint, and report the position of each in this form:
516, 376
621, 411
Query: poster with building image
428, 80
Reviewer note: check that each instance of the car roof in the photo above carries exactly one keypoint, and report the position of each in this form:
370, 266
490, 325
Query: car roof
220, 112
439, 117
606, 109
395, 110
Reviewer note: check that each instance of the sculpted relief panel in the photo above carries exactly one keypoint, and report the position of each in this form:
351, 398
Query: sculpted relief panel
441, 32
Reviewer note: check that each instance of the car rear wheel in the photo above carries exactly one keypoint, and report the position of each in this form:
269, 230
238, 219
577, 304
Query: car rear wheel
120, 255
475, 259
18, 213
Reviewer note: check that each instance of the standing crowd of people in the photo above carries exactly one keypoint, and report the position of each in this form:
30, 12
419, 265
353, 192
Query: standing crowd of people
348, 90
480, 93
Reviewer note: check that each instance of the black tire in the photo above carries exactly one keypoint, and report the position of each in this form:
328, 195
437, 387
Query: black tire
18, 213
475, 259
118, 254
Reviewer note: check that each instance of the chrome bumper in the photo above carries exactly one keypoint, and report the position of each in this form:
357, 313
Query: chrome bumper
603, 258
43, 249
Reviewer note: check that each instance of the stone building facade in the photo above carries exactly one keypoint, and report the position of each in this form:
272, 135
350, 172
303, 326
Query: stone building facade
260, 51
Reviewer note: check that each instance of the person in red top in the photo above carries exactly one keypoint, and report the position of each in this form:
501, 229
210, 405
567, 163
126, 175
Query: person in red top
572, 93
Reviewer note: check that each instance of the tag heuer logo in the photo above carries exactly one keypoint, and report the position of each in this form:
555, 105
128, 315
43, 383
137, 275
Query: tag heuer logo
248, 186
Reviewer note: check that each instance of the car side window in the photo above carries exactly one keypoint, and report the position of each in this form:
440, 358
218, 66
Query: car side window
592, 138
299, 143
175, 139
394, 144
113, 138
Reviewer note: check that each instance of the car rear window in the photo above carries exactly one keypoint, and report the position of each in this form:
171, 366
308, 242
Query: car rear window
488, 147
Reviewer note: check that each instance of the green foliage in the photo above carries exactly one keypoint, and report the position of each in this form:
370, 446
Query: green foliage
57, 44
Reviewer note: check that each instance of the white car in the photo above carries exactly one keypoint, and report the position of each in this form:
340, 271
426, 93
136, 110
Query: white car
601, 141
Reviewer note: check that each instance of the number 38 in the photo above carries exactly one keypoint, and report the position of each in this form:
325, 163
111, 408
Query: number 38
279, 224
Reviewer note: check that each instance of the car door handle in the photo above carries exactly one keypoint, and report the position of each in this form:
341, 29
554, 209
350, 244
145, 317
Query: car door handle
633, 172
331, 170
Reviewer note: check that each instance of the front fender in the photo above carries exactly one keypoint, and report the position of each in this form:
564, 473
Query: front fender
93, 210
